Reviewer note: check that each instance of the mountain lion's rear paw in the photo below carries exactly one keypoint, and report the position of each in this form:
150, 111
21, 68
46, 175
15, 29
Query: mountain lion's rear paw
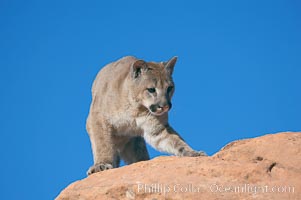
202, 153
98, 168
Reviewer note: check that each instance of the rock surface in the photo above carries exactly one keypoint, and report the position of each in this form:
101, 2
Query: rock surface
267, 167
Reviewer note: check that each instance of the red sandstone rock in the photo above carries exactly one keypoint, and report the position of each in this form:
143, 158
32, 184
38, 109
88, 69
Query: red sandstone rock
267, 167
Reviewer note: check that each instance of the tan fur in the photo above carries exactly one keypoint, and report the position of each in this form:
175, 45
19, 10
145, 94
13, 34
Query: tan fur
125, 111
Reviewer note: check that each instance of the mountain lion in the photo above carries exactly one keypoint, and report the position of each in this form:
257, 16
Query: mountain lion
130, 103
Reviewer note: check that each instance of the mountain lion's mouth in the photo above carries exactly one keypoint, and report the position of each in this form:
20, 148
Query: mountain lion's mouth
158, 110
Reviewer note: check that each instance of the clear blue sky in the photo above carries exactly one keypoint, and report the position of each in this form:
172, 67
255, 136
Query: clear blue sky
238, 76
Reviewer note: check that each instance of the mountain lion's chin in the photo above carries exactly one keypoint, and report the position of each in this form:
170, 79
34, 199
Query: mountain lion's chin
157, 113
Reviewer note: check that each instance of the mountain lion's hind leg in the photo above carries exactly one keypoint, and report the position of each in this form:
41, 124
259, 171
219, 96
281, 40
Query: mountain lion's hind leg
134, 151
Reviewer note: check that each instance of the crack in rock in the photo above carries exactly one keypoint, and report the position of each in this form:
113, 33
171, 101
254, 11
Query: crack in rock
271, 167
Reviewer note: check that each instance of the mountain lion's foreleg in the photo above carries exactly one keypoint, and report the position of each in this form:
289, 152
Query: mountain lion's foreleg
169, 141
102, 146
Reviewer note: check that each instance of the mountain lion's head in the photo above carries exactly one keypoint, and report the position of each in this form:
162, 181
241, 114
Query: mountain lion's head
153, 86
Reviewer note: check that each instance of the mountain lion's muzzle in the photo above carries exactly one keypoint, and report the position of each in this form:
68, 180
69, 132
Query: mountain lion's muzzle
159, 109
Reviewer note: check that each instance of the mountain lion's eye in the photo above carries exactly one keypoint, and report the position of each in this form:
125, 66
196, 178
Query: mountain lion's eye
169, 89
151, 90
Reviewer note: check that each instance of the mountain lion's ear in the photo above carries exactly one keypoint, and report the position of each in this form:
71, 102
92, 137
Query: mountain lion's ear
137, 68
170, 65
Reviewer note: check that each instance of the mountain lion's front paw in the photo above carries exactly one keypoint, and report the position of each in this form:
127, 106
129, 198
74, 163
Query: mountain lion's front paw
194, 153
98, 168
